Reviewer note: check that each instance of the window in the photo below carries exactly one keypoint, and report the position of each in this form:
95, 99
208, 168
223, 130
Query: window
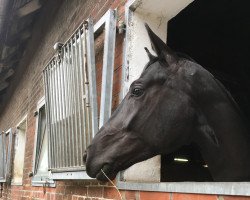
19, 151
71, 99
160, 173
41, 175
6, 145
68, 105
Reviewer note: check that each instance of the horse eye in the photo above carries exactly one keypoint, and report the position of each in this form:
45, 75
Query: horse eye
137, 92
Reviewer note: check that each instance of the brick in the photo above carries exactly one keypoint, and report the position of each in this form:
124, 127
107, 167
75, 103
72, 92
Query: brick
236, 198
81, 198
130, 195
95, 191
58, 197
80, 190
52, 196
178, 196
60, 189
69, 189
111, 193
154, 195
66, 197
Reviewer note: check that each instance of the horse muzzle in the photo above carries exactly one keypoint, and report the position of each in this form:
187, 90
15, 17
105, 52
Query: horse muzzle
106, 173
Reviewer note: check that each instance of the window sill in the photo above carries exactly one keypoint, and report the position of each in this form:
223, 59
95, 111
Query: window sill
76, 175
219, 188
42, 180
17, 183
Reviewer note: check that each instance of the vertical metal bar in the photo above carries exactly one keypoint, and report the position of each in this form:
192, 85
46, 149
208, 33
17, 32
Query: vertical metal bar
61, 105
108, 67
50, 103
77, 98
68, 104
54, 112
58, 112
64, 102
87, 107
80, 93
83, 97
92, 75
72, 104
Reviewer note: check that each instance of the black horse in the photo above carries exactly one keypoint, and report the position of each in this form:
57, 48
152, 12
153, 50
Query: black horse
175, 102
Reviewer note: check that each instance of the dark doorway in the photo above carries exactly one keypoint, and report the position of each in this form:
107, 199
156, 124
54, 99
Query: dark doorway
216, 34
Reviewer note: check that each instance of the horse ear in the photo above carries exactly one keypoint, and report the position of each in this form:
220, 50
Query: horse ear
150, 55
160, 47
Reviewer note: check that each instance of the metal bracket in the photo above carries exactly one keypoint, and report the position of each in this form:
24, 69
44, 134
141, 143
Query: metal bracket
58, 47
45, 185
86, 24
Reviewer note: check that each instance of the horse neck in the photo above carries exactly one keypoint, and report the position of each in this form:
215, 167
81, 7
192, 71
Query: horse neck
229, 159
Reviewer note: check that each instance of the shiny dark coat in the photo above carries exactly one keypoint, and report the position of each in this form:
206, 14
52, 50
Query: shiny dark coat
174, 102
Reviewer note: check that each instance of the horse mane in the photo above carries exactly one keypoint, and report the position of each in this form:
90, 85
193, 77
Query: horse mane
183, 55
221, 86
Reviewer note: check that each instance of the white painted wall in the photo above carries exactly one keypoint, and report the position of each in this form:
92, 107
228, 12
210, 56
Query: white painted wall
156, 13
19, 151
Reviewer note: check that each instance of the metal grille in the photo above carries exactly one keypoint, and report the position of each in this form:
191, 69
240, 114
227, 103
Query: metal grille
2, 156
68, 107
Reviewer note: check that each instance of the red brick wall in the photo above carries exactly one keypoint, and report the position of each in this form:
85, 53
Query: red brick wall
56, 23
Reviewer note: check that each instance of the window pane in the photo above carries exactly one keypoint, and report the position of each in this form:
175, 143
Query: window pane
42, 148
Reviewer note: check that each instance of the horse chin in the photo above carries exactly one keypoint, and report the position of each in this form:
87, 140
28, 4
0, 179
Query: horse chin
105, 173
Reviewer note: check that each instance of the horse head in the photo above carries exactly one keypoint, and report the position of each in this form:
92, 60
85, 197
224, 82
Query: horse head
159, 114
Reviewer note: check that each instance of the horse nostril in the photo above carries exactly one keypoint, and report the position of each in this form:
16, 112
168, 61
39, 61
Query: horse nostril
84, 157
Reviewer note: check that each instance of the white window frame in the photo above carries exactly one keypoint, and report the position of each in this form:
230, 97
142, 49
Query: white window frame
24, 120
218, 188
38, 179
